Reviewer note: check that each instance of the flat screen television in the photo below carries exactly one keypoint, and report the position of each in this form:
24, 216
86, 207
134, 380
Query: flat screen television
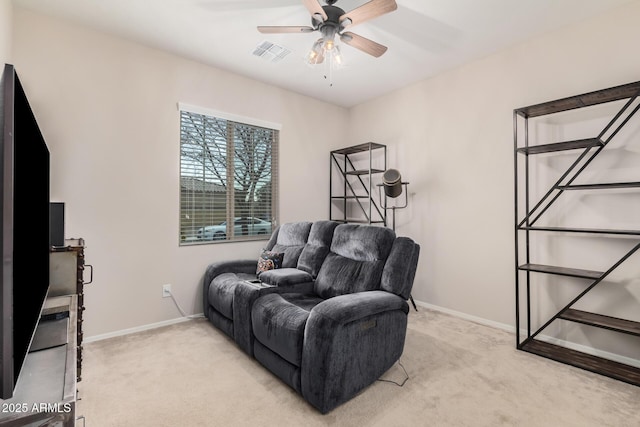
24, 171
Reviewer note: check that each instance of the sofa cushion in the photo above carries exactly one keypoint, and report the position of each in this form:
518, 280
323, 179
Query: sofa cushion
362, 242
317, 247
285, 277
278, 322
290, 239
400, 268
357, 258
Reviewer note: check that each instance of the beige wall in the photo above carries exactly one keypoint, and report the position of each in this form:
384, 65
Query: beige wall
6, 19
108, 111
107, 108
452, 138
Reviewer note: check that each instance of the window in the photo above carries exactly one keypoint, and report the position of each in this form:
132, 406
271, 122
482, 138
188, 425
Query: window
228, 177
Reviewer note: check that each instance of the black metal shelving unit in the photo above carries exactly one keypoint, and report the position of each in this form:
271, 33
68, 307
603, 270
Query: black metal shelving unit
354, 166
586, 150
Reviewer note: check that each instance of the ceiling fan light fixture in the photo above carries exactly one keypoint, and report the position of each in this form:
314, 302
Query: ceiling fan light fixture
329, 44
325, 49
336, 56
316, 54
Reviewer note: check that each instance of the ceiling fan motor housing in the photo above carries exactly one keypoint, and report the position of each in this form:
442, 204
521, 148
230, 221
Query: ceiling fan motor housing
333, 16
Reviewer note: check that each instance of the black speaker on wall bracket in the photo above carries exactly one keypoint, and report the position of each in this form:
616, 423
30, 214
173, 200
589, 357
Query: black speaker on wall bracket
56, 212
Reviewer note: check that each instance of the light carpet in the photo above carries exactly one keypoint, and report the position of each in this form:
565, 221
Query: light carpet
461, 374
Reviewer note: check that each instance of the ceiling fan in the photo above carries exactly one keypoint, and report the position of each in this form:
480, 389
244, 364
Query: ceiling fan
330, 20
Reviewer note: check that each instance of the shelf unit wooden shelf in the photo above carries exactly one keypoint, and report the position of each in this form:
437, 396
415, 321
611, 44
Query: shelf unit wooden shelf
526, 225
598, 365
601, 321
561, 146
562, 271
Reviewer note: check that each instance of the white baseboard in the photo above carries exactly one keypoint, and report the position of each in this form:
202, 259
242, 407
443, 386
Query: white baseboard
466, 316
141, 328
568, 344
459, 314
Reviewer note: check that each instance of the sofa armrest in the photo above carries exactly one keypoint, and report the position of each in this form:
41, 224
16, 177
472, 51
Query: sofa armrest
217, 268
236, 266
352, 307
349, 342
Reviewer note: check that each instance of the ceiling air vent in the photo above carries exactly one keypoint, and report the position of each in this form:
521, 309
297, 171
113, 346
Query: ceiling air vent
271, 51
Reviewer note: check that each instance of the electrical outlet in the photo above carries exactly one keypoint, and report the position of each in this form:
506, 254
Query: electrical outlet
166, 291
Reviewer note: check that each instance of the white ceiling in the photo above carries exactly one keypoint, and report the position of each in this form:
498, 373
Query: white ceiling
424, 37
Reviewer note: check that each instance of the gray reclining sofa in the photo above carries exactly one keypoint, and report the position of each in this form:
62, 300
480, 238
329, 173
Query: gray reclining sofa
332, 320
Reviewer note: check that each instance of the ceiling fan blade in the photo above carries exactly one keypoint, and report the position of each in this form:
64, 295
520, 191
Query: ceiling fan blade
315, 9
368, 11
364, 44
284, 29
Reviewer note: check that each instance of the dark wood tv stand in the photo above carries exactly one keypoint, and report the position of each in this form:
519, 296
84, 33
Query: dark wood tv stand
66, 275
46, 390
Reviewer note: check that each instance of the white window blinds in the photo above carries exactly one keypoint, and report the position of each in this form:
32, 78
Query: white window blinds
228, 179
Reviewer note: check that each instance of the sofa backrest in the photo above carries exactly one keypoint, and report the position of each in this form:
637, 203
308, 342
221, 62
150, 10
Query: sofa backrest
356, 260
290, 239
400, 268
317, 247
